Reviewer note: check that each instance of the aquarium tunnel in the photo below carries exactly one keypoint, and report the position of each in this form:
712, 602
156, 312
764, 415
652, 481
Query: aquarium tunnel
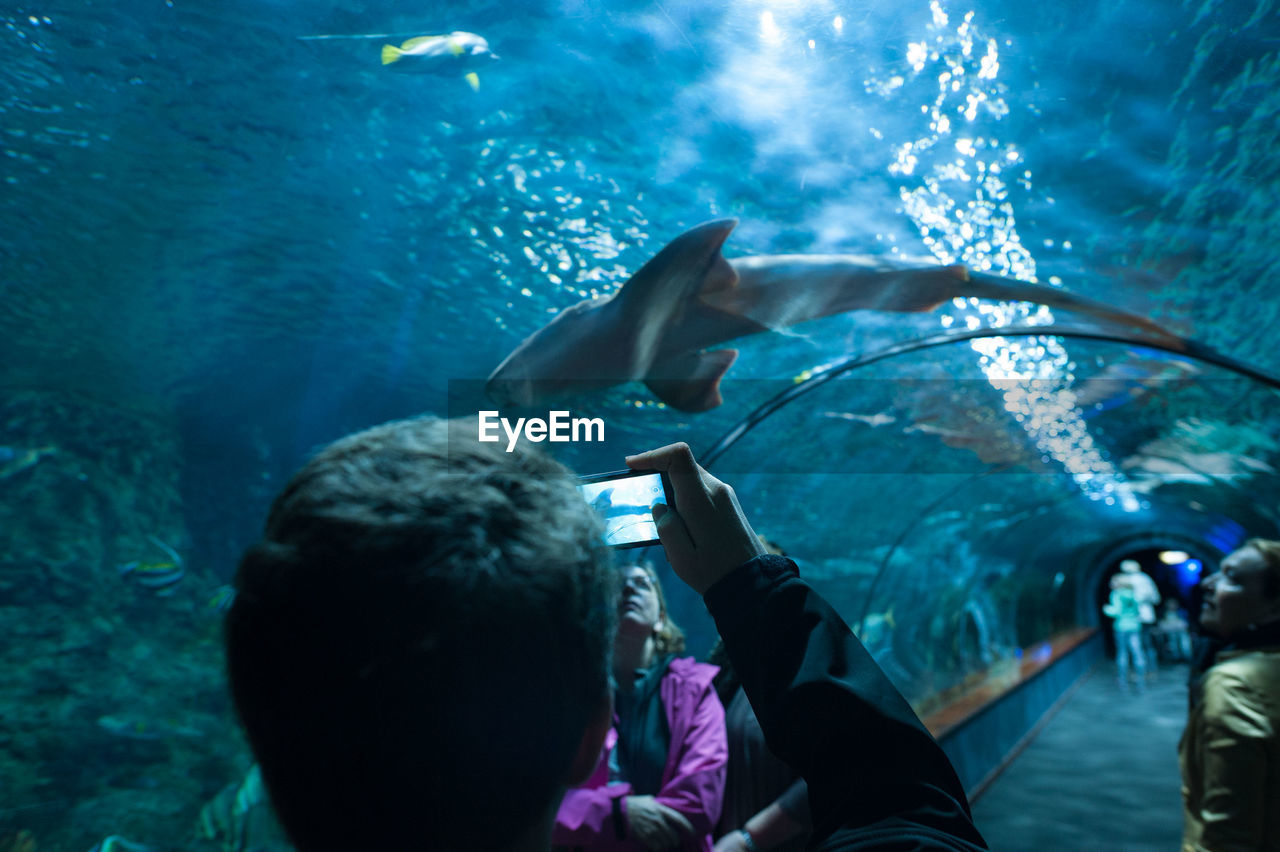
1013, 324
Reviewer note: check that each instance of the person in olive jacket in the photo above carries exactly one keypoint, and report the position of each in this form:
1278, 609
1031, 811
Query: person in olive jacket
1230, 751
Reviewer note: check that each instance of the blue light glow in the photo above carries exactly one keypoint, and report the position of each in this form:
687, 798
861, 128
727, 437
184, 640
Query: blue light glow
1187, 575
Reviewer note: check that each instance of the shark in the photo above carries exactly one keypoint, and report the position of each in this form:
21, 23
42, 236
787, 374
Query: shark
663, 326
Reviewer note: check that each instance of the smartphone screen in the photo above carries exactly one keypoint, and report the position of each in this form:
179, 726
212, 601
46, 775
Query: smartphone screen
623, 499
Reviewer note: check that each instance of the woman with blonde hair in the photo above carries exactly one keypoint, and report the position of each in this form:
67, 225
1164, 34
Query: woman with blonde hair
660, 778
1230, 751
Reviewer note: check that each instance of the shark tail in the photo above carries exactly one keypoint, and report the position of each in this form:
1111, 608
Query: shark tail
691, 382
994, 287
390, 54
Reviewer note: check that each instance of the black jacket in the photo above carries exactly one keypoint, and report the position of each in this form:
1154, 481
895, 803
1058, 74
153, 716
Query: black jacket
877, 779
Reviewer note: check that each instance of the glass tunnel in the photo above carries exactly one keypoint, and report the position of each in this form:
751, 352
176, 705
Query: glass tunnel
230, 235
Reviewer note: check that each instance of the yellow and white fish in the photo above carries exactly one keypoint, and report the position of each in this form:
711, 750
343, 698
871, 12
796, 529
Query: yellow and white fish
440, 54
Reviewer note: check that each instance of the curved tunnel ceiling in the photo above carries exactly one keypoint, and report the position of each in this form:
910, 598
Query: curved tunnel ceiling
1194, 471
951, 483
267, 272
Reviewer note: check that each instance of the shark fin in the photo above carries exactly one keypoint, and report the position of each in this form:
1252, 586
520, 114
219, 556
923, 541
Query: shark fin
720, 276
659, 293
391, 53
691, 382
692, 261
473, 80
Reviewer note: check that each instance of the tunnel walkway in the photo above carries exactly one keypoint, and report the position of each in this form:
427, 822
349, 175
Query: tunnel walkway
1102, 774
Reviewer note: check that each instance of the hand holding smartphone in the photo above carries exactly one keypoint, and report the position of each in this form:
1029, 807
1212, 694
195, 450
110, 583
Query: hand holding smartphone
624, 500
707, 533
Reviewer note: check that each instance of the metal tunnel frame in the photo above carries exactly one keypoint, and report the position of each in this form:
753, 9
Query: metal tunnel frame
820, 377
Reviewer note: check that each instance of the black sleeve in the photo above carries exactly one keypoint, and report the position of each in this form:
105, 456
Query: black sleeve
877, 779
794, 802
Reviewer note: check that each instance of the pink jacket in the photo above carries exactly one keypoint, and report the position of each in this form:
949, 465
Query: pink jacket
692, 780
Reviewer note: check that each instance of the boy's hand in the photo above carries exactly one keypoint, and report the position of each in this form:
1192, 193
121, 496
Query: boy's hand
706, 536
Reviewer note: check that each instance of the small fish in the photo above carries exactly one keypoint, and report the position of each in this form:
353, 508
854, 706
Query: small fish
222, 598
133, 730
161, 575
17, 459
252, 792
877, 628
880, 419
1128, 381
173, 554
440, 54
217, 818
142, 729
226, 815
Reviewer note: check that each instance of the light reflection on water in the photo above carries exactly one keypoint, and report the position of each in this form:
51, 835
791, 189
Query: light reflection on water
963, 210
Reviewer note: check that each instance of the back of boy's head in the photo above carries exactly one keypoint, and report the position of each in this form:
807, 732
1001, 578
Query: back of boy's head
419, 640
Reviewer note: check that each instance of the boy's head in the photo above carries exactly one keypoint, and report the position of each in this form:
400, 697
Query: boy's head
419, 645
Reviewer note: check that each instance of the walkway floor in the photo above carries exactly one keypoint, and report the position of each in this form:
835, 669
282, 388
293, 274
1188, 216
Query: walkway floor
1101, 775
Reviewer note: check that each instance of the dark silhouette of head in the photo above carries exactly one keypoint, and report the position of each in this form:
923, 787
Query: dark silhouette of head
419, 645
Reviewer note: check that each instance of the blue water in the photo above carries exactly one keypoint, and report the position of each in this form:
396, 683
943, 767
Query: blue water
224, 242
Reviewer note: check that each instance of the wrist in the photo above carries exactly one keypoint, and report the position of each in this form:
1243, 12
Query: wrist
748, 842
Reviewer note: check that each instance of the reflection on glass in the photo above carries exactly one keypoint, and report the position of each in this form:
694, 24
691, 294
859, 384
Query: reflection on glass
965, 215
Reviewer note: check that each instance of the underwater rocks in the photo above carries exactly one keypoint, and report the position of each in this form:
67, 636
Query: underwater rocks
116, 716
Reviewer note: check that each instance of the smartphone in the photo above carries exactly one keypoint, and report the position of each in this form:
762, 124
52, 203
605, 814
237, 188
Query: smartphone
623, 499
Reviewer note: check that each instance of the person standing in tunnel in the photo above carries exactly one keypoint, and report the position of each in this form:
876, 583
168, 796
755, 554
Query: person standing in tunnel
1230, 751
1172, 628
1148, 596
1126, 626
